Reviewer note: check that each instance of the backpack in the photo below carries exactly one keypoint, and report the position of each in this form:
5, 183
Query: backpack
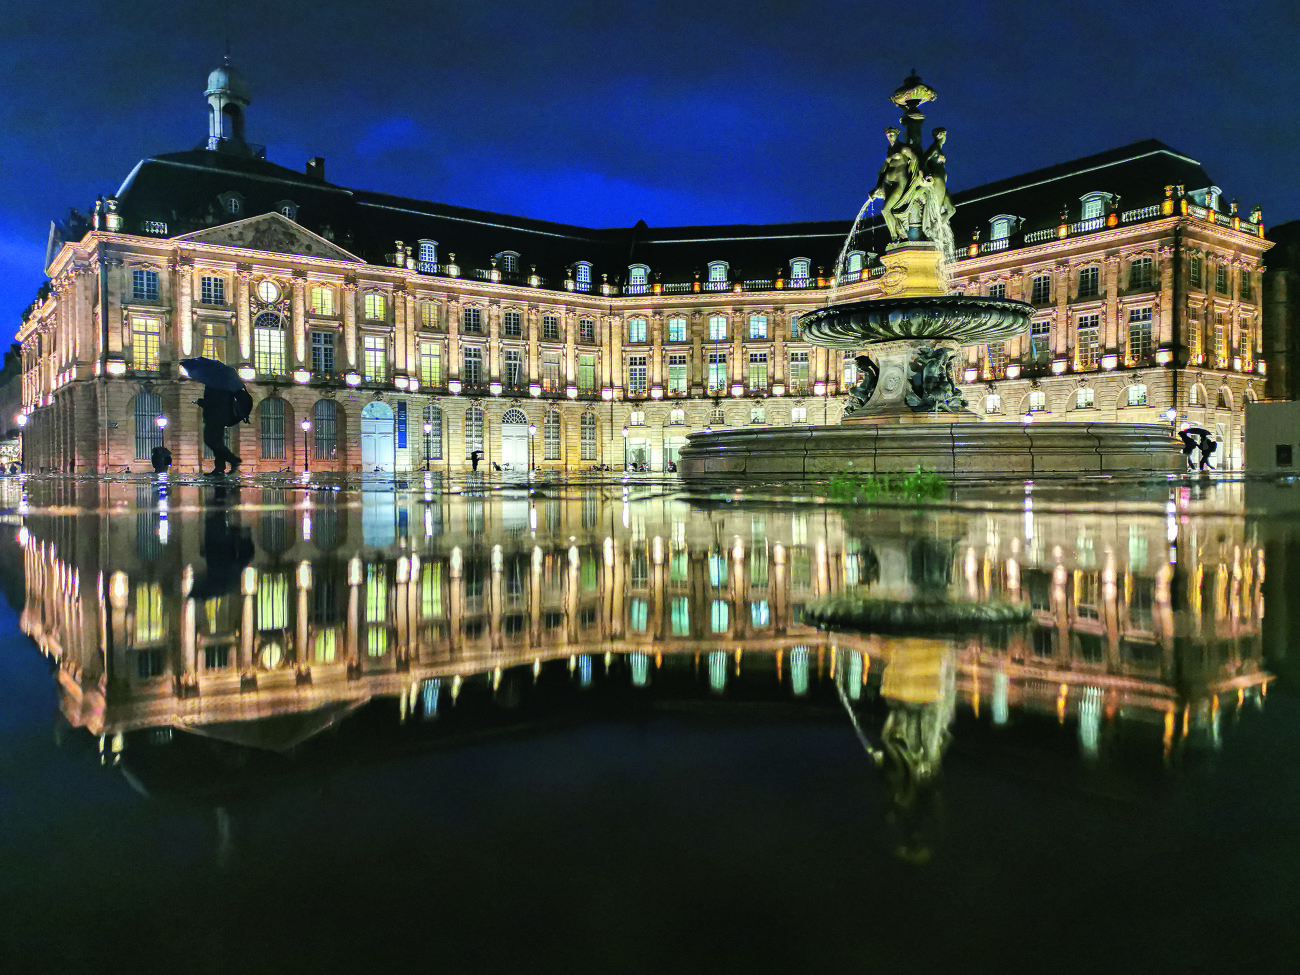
242, 407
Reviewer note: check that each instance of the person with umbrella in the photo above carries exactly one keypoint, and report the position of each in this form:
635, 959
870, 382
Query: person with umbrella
1197, 438
222, 389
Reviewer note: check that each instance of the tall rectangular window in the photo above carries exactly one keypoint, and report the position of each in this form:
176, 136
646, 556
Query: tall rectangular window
996, 360
587, 373
146, 334
758, 326
1194, 271
268, 349
144, 284
717, 328
431, 363
636, 330
1139, 273
271, 421
757, 372
473, 366
433, 440
551, 436
677, 375
373, 306
429, 316
550, 328
471, 320
1139, 333
320, 300
1087, 345
1220, 340
214, 341
798, 372
374, 358
514, 371
1040, 291
998, 290
1195, 339
677, 329
1040, 339
1221, 279
551, 372
587, 331
212, 290
636, 375
512, 325
1088, 282
717, 371
322, 353
587, 430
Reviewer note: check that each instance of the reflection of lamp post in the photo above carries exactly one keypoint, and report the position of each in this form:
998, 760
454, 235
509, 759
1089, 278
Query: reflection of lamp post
625, 432
428, 432
532, 432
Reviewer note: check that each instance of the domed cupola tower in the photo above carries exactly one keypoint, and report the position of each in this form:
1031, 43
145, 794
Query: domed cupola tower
227, 95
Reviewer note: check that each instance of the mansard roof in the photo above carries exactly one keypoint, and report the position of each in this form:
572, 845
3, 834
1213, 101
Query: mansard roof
184, 190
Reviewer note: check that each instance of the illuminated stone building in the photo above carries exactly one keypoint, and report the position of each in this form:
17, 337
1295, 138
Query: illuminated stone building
1144, 620
368, 316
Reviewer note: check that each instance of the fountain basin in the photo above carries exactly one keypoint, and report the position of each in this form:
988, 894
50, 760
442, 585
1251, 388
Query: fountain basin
961, 319
961, 449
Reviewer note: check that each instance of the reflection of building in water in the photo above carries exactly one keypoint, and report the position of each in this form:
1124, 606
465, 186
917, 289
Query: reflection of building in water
416, 596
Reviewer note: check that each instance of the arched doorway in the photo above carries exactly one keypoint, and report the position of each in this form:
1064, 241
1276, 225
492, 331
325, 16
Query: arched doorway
514, 440
378, 443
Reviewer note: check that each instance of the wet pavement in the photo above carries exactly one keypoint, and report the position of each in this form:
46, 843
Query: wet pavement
271, 724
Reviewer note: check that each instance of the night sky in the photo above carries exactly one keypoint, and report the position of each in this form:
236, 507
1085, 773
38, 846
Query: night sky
677, 112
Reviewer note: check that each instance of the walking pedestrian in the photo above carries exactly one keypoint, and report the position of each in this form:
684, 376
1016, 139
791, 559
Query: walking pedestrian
474, 457
219, 412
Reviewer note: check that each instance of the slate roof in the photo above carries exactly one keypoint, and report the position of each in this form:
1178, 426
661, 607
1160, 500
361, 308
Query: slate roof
183, 188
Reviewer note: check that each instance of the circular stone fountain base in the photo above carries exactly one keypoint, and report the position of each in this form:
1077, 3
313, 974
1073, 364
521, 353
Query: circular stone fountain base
958, 449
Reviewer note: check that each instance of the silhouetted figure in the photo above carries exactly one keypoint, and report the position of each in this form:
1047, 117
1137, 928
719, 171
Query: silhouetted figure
496, 467
1189, 445
226, 548
161, 459
219, 412
474, 457
1208, 446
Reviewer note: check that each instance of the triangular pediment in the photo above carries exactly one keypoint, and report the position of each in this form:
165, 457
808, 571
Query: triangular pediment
271, 232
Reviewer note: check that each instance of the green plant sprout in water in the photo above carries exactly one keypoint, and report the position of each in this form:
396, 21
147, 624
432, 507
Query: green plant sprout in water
922, 484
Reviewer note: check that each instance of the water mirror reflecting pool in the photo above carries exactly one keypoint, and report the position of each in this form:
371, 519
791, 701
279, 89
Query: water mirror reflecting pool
589, 726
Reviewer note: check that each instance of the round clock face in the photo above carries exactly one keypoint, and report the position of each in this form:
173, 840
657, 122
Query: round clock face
267, 291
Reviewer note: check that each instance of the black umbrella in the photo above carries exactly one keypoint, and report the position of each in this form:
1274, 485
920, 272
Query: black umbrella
212, 373
1196, 432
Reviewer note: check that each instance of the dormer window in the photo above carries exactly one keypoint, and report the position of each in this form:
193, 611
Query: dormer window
799, 269
232, 202
1094, 206
582, 274
1212, 198
428, 254
854, 262
508, 262
717, 276
637, 276
287, 208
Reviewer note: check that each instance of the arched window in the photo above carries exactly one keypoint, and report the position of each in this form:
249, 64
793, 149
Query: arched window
551, 435
588, 432
473, 430
798, 270
148, 435
271, 413
268, 344
582, 272
637, 275
428, 254
717, 276
433, 439
1195, 395
326, 427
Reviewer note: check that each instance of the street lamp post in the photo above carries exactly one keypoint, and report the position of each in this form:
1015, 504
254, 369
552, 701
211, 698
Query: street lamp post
428, 432
532, 432
625, 433
306, 456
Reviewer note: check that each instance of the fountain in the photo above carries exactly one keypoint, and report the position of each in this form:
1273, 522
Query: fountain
906, 410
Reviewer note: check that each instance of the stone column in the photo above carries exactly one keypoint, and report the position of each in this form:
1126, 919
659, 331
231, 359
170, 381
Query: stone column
1064, 275
348, 294
1165, 312
1110, 338
493, 365
183, 283
397, 347
451, 368
656, 349
243, 274
298, 309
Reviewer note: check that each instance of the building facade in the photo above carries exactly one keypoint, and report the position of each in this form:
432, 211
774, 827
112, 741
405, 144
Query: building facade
379, 332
